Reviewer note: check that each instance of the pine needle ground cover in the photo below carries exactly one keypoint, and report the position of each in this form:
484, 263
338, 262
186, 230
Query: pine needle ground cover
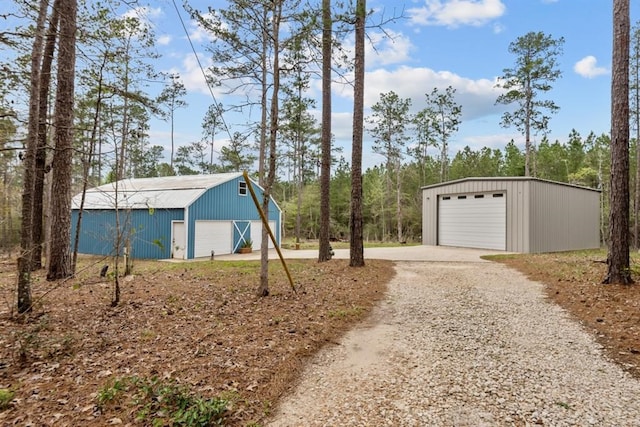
188, 340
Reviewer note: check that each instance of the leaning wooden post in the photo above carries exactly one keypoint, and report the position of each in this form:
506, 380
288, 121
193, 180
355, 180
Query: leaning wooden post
265, 223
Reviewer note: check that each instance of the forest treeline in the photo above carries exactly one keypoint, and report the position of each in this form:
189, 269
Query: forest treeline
579, 160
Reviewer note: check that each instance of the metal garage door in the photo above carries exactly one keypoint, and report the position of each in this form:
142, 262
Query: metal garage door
473, 220
256, 233
213, 236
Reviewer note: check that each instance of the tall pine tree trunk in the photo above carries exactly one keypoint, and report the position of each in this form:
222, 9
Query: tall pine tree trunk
41, 150
26, 238
635, 96
618, 259
398, 202
356, 247
324, 253
60, 262
263, 289
87, 160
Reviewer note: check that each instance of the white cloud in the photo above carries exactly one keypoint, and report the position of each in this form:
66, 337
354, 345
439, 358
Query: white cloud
493, 141
197, 32
498, 28
455, 13
144, 13
477, 97
145, 17
191, 73
392, 48
164, 40
382, 49
588, 67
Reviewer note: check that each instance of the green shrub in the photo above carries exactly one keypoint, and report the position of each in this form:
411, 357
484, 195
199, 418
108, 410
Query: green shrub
162, 402
6, 396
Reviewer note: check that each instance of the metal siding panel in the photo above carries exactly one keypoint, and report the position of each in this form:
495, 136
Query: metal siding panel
517, 216
152, 236
566, 218
224, 203
97, 233
584, 225
429, 217
149, 231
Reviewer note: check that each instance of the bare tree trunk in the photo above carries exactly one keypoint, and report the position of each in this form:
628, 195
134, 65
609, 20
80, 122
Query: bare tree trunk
636, 204
41, 150
618, 259
120, 174
324, 252
263, 289
262, 156
527, 133
26, 239
356, 247
398, 202
172, 139
60, 262
299, 171
87, 158
635, 94
5, 213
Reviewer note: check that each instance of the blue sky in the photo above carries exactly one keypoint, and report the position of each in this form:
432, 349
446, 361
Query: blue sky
462, 43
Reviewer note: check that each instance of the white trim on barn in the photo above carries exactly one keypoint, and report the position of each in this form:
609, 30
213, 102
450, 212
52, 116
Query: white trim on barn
242, 227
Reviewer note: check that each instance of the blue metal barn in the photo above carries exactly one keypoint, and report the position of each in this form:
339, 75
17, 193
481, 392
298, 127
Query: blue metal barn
182, 217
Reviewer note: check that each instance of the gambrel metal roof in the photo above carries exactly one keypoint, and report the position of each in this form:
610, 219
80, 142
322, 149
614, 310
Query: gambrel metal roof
170, 192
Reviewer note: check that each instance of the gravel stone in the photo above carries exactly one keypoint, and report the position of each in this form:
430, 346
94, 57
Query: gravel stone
463, 344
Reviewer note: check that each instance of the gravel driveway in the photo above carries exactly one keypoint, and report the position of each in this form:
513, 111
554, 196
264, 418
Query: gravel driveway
463, 344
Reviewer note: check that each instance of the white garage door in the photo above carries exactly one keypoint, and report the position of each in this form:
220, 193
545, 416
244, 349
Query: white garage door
213, 236
473, 221
256, 233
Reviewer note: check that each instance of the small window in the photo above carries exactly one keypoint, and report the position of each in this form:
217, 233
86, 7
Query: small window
446, 198
242, 188
462, 197
498, 195
479, 196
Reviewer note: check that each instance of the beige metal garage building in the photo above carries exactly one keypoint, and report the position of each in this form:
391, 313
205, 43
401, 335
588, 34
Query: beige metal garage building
518, 214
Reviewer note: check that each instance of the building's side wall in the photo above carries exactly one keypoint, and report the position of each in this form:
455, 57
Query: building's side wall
518, 211
148, 230
224, 203
563, 218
